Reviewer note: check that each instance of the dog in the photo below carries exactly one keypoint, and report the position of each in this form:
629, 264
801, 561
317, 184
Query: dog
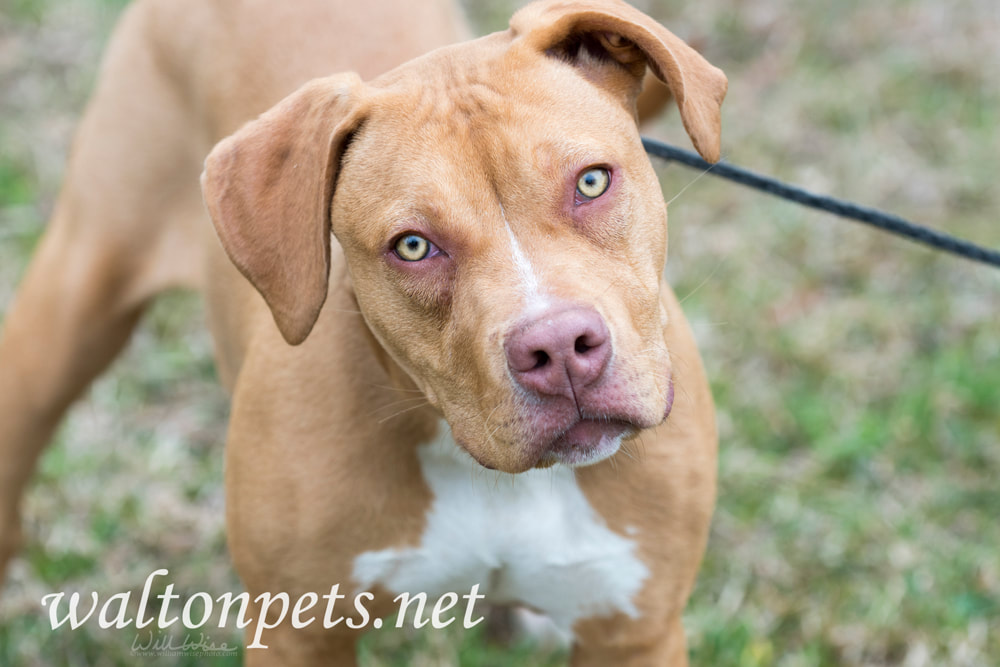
473, 225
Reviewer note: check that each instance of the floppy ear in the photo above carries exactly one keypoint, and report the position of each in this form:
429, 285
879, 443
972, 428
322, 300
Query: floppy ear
598, 34
269, 187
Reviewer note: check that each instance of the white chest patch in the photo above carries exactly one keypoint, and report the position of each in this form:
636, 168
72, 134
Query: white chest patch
531, 538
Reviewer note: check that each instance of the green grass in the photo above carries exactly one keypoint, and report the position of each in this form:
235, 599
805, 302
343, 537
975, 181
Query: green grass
857, 377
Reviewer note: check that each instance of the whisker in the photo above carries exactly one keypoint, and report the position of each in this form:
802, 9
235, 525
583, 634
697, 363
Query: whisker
403, 411
695, 180
625, 450
640, 452
613, 283
399, 389
402, 401
710, 275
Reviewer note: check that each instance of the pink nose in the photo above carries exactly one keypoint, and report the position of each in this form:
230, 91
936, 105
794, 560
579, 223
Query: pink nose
559, 353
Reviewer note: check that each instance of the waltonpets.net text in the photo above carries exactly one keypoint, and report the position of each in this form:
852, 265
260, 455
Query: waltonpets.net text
199, 609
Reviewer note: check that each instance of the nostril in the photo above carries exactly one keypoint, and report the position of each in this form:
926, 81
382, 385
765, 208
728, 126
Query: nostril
562, 350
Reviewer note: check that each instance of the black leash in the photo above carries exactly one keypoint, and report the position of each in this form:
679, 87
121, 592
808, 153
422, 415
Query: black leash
885, 221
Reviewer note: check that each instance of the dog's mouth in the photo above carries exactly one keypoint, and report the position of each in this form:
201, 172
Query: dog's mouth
581, 442
578, 432
567, 435
587, 441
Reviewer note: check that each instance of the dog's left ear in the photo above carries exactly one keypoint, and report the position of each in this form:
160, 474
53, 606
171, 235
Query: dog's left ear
597, 34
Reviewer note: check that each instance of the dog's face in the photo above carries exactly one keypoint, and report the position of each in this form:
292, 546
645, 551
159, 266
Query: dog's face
471, 212
503, 229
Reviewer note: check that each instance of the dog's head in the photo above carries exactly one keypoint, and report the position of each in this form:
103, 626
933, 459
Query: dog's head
503, 228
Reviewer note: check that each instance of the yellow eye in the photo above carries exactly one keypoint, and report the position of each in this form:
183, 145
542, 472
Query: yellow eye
412, 248
593, 183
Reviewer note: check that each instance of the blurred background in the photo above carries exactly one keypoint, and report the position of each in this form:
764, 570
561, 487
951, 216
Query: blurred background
857, 376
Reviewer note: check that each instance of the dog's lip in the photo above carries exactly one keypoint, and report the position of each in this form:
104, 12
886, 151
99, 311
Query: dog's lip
583, 441
586, 428
566, 434
587, 440
670, 398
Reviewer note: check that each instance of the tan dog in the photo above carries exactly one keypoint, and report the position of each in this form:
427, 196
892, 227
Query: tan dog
499, 242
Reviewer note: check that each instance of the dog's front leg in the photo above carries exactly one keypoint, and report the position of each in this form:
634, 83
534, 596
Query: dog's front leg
633, 645
315, 477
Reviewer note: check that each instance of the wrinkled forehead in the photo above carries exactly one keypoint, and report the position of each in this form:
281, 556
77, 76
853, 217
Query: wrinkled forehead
465, 113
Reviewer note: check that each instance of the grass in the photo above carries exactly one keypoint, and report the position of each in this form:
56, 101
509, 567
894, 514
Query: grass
857, 377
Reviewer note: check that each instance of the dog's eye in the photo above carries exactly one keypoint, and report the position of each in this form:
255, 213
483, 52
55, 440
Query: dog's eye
593, 183
412, 248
